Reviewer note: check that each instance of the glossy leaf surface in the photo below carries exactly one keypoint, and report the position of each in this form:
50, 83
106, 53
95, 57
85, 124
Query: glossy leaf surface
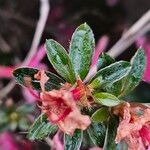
60, 60
104, 60
110, 74
81, 49
106, 99
112, 125
97, 133
136, 73
73, 142
25, 77
41, 128
100, 115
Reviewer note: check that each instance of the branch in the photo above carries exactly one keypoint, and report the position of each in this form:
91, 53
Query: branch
44, 10
49, 142
141, 27
23, 20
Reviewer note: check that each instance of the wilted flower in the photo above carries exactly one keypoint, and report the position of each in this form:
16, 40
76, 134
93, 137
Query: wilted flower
134, 126
60, 106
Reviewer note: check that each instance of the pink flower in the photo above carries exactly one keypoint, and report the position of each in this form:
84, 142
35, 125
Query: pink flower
35, 60
30, 95
61, 108
6, 72
134, 126
100, 47
145, 133
7, 142
82, 94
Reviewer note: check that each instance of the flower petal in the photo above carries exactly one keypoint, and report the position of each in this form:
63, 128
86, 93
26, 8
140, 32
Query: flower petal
60, 105
133, 118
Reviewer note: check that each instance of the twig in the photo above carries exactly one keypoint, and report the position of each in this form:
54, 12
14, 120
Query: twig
49, 142
39, 30
23, 20
141, 27
44, 10
7, 89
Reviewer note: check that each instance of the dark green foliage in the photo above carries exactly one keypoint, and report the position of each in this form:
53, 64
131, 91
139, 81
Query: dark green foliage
41, 128
60, 60
110, 74
25, 77
81, 50
135, 75
100, 115
73, 142
112, 125
97, 133
104, 60
112, 81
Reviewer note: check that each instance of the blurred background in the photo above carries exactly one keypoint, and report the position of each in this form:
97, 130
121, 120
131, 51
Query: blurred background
109, 20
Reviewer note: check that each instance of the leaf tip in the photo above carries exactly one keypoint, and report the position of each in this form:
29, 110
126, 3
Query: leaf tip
49, 40
85, 24
15, 72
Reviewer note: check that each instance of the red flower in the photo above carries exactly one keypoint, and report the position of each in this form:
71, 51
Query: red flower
7, 142
61, 108
145, 133
134, 126
82, 94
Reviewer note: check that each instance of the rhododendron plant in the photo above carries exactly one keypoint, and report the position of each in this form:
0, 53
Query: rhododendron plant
76, 105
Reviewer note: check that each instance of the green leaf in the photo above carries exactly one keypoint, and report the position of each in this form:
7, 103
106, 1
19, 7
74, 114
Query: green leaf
97, 133
73, 142
60, 60
24, 123
100, 115
106, 99
137, 70
25, 77
81, 50
86, 142
41, 128
104, 60
112, 125
110, 74
115, 88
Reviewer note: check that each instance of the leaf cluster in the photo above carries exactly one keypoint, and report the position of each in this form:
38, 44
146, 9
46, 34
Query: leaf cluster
112, 81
